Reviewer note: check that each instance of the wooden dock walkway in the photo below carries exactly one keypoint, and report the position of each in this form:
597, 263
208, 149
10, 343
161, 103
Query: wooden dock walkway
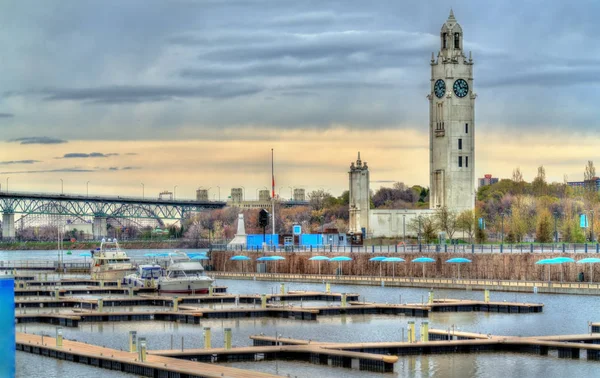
112, 359
582, 288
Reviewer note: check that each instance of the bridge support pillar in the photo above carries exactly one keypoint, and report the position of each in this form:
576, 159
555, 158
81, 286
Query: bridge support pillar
99, 227
8, 226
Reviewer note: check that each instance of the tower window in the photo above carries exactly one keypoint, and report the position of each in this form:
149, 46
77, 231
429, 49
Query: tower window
466, 128
444, 37
467, 161
456, 41
460, 144
460, 161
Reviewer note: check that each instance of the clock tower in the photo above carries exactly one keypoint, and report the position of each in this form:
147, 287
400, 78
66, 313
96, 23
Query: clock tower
451, 123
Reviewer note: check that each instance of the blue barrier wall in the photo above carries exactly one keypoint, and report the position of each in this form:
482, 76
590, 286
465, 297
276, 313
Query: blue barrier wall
7, 326
311, 240
256, 240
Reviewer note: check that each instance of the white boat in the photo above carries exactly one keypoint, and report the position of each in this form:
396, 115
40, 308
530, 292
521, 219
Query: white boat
110, 262
146, 276
184, 276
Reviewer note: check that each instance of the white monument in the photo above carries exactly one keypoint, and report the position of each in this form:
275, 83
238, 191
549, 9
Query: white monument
451, 123
240, 235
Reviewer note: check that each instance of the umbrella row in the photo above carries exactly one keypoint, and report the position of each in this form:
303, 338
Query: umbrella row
562, 260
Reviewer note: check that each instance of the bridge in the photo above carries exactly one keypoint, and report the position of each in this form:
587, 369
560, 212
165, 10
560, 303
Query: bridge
98, 207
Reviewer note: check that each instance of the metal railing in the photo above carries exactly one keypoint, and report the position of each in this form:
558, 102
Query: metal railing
426, 248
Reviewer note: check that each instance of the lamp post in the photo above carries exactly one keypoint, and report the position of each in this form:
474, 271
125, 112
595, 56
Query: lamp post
419, 235
291, 193
218, 187
502, 240
87, 189
404, 231
243, 193
7, 184
555, 231
61, 186
592, 228
175, 192
142, 189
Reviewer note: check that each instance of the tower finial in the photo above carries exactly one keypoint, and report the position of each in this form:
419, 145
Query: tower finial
358, 155
451, 17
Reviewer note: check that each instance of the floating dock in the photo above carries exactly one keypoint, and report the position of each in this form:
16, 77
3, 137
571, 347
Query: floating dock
127, 362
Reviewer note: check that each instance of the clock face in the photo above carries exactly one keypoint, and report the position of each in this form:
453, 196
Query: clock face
461, 88
439, 88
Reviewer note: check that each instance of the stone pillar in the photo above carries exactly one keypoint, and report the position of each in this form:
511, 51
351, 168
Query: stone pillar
99, 227
8, 226
425, 331
411, 332
227, 338
132, 341
207, 342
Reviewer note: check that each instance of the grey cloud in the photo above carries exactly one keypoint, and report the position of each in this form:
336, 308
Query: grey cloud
550, 77
19, 162
123, 168
77, 155
68, 170
6, 115
140, 94
38, 140
131, 153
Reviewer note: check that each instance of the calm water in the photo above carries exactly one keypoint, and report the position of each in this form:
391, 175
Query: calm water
562, 315
74, 256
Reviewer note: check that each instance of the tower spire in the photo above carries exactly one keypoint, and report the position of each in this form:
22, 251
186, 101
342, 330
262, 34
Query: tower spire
451, 16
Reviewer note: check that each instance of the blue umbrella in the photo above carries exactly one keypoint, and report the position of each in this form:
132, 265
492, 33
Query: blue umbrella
271, 258
85, 256
548, 262
458, 260
199, 257
150, 255
339, 260
393, 259
561, 260
380, 259
240, 258
423, 260
319, 259
590, 260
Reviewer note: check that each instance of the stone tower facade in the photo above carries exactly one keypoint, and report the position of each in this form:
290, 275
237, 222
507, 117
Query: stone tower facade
451, 123
359, 197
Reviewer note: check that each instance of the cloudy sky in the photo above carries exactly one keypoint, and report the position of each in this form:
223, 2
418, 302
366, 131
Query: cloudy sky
196, 92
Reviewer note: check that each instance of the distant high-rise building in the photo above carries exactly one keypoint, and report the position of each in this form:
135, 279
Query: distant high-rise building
359, 197
299, 195
264, 195
487, 180
237, 194
201, 195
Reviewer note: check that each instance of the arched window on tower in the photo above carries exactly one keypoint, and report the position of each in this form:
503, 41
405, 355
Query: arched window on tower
456, 40
444, 40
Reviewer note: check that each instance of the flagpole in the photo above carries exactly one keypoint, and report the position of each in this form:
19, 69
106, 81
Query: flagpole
272, 197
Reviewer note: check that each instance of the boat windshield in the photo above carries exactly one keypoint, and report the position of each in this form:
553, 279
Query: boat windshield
185, 273
148, 273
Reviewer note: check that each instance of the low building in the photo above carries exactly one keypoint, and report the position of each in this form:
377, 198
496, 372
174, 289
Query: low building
580, 185
487, 180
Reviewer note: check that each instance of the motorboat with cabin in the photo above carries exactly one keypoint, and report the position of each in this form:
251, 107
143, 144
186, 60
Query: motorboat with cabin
147, 275
110, 262
184, 276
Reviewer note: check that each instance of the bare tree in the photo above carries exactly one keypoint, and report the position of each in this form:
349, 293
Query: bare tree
589, 182
446, 220
466, 223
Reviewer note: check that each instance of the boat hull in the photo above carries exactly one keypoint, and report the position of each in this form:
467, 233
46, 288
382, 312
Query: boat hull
113, 274
184, 286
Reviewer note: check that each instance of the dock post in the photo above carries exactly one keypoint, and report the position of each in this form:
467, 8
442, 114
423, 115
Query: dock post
430, 299
119, 284
175, 304
142, 352
486, 296
132, 341
56, 294
411, 331
425, 331
101, 283
100, 304
343, 299
211, 291
207, 338
328, 288
263, 301
130, 292
282, 288
227, 338
59, 337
